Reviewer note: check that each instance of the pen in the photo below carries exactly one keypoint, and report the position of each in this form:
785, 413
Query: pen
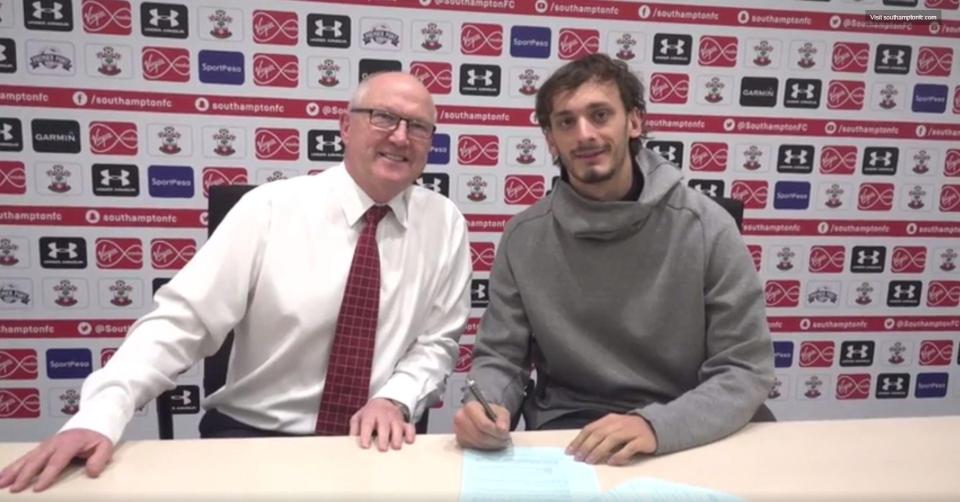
487, 410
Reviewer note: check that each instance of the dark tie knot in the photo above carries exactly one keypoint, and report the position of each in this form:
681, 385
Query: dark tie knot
375, 214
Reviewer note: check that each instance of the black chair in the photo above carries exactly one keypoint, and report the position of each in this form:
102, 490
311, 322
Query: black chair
734, 207
221, 199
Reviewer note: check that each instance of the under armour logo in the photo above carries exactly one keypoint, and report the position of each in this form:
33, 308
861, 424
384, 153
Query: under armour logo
789, 157
334, 29
886, 158
888, 384
481, 292
899, 291
171, 18
5, 129
807, 91
863, 257
889, 55
326, 145
106, 178
430, 185
57, 252
708, 190
3, 53
54, 11
184, 397
677, 47
473, 76
860, 351
667, 152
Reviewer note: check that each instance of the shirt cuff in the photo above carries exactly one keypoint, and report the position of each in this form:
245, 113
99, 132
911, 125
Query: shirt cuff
402, 389
106, 419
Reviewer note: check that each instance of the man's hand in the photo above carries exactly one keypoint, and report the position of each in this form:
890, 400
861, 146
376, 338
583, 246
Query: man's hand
46, 461
475, 430
614, 440
383, 418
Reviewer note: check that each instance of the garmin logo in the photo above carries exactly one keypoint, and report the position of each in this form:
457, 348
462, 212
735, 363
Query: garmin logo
759, 93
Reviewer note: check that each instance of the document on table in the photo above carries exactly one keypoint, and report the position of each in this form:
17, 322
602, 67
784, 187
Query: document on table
535, 474
656, 490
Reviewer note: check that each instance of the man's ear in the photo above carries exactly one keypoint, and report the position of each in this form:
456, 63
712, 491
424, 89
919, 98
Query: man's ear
635, 124
345, 127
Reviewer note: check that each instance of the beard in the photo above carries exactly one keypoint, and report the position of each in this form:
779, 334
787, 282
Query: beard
597, 173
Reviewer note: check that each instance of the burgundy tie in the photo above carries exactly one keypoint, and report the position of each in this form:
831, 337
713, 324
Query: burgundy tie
351, 357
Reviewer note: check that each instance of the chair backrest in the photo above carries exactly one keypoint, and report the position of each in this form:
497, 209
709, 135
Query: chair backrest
734, 207
221, 199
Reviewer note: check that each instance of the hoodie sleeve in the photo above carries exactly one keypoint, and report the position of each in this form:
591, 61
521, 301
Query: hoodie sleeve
737, 373
501, 364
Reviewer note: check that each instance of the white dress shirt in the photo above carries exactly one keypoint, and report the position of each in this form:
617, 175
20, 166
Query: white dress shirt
274, 272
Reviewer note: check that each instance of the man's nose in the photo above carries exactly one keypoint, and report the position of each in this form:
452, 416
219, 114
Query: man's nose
585, 128
399, 134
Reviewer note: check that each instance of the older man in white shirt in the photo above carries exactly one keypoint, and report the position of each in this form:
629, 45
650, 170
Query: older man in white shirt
316, 349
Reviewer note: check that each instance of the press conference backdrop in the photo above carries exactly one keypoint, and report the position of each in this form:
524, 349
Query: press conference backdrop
839, 134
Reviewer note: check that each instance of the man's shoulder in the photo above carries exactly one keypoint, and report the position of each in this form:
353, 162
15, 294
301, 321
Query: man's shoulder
431, 206
528, 220
710, 214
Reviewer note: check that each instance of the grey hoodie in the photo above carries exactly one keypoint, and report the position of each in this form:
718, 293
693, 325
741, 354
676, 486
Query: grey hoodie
651, 307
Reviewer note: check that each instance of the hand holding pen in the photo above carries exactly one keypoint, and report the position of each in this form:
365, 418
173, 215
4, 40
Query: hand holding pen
480, 424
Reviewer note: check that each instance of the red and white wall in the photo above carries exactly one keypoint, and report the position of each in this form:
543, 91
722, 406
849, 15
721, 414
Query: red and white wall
841, 136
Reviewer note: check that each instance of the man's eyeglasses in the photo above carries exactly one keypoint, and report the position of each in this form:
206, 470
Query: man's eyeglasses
386, 121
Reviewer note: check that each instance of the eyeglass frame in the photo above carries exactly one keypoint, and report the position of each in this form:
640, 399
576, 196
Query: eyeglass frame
371, 111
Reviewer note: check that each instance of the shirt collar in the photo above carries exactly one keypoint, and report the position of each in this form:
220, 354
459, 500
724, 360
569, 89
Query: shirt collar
355, 202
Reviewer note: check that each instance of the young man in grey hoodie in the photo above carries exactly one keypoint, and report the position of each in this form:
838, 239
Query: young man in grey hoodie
632, 295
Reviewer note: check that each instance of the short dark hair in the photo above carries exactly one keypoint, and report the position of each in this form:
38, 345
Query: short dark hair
595, 67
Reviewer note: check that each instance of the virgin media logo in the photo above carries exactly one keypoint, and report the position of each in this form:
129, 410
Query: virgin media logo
523, 189
827, 259
477, 150
708, 157
106, 17
18, 364
575, 44
936, 352
717, 51
943, 294
478, 39
908, 259
213, 176
171, 254
166, 64
119, 253
671, 88
276, 70
19, 403
838, 159
436, 77
850, 57
275, 27
482, 254
816, 354
753, 193
856, 386
782, 293
875, 197
845, 95
277, 144
113, 138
